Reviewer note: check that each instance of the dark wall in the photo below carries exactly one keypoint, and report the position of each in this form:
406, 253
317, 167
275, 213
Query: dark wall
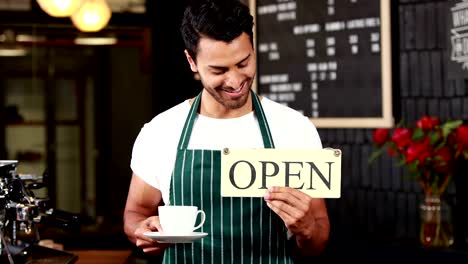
378, 203
131, 108
130, 97
171, 75
123, 104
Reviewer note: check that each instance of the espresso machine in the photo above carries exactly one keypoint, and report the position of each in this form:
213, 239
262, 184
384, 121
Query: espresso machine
21, 212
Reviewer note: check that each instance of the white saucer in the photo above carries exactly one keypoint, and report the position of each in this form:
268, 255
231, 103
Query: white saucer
175, 238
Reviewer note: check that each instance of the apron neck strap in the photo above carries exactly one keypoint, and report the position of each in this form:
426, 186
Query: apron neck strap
262, 121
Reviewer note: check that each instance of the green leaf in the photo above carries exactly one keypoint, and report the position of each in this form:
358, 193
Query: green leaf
441, 143
434, 138
418, 134
402, 162
413, 167
375, 155
449, 126
401, 123
442, 162
452, 124
465, 154
446, 131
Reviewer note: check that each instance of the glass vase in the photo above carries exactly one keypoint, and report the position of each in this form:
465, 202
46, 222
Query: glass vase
436, 223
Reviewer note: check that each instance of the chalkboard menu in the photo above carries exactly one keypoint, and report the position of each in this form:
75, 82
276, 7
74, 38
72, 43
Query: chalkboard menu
328, 59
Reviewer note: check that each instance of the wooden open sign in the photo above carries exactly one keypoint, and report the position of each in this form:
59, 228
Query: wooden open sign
249, 172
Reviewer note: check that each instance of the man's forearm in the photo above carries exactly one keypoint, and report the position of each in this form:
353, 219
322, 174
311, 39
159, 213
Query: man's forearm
132, 220
314, 244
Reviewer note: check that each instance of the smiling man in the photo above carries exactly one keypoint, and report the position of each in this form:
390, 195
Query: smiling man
176, 156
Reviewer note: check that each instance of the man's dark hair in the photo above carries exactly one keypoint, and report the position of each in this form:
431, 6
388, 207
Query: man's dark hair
222, 20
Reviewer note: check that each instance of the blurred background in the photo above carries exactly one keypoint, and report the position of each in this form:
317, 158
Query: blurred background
72, 110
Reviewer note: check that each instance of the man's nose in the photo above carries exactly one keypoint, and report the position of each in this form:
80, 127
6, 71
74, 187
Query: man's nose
234, 79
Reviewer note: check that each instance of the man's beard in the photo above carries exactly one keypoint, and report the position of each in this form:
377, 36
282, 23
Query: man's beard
216, 93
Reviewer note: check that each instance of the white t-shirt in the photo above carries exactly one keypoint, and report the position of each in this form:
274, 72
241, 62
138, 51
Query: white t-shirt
155, 148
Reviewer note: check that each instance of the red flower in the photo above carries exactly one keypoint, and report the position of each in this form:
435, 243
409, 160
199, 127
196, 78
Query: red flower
452, 139
429, 149
462, 137
427, 123
402, 137
418, 150
381, 135
391, 151
443, 160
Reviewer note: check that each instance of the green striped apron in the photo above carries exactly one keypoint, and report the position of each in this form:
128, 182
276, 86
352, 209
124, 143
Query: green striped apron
240, 230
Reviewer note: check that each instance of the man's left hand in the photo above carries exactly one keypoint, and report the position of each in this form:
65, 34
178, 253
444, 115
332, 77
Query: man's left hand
304, 216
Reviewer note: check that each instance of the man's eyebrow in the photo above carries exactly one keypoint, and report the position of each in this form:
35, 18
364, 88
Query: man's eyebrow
243, 60
225, 68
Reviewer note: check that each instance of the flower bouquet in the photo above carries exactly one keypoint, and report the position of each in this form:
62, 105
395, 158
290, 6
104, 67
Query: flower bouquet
429, 151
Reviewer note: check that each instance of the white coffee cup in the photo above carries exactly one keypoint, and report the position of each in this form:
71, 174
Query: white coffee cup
179, 219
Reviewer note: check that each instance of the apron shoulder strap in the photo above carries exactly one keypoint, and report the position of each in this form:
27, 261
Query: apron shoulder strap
189, 121
262, 121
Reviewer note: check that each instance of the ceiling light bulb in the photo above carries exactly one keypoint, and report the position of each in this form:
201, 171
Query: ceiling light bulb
92, 16
59, 8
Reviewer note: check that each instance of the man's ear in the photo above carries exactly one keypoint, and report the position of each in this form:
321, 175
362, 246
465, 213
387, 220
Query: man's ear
193, 65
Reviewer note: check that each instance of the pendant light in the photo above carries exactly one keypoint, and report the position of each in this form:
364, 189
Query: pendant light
9, 46
59, 8
92, 16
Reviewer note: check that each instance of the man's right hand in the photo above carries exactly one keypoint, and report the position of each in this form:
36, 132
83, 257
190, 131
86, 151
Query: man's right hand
148, 245
140, 216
